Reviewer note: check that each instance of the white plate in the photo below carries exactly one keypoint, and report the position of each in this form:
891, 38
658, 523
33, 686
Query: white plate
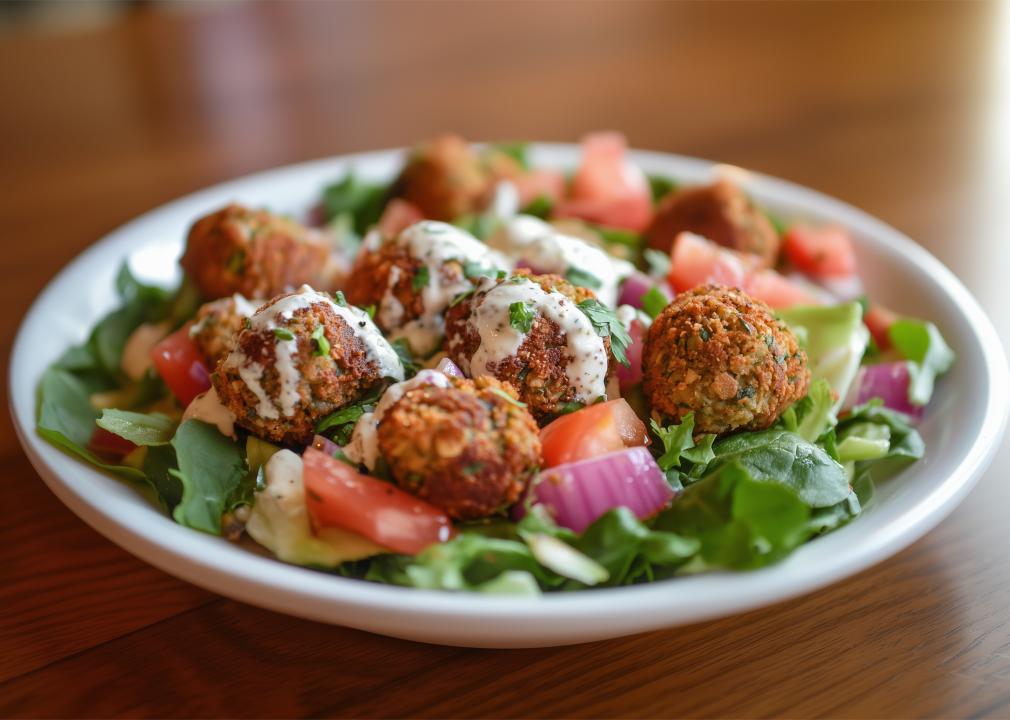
962, 430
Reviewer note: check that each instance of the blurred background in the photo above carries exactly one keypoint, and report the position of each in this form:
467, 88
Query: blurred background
902, 109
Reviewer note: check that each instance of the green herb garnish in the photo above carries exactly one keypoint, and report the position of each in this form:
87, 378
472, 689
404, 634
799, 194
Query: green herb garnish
582, 278
606, 324
284, 334
654, 302
422, 278
521, 316
505, 395
338, 296
322, 344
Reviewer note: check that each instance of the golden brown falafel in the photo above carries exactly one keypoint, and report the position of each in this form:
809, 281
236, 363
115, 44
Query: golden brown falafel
538, 370
444, 178
254, 253
217, 325
469, 449
298, 360
720, 212
722, 355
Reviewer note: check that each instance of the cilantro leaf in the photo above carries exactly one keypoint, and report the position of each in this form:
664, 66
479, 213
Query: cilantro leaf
521, 316
422, 278
606, 324
581, 278
654, 301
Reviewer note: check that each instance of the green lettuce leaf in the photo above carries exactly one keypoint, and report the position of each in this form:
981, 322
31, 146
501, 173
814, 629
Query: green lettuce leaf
922, 344
139, 428
814, 414
360, 200
835, 340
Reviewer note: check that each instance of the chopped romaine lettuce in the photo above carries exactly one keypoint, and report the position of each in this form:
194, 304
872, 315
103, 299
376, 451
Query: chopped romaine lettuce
922, 344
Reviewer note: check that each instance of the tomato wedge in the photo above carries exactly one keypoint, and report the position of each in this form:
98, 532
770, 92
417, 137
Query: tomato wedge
180, 364
595, 430
336, 495
823, 251
878, 319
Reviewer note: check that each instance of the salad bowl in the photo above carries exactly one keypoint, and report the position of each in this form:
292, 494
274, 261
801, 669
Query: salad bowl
962, 429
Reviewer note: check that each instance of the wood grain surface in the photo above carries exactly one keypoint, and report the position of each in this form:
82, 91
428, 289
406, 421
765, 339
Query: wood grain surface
901, 109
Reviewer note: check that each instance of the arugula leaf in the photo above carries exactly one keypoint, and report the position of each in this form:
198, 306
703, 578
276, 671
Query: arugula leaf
740, 522
361, 200
654, 302
521, 316
339, 425
606, 324
780, 456
138, 428
211, 469
921, 343
581, 278
159, 462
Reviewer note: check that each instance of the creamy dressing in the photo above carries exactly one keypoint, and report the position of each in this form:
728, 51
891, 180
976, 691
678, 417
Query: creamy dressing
364, 445
627, 314
206, 407
505, 201
136, 357
587, 355
548, 251
277, 314
434, 244
242, 307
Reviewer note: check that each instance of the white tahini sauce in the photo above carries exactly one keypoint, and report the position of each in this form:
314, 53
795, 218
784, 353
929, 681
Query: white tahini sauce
434, 244
539, 244
587, 354
364, 444
276, 315
206, 407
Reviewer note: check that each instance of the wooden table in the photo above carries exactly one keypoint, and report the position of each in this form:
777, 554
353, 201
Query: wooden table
903, 110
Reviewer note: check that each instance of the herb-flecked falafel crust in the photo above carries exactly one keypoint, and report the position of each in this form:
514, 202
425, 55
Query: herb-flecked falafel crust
538, 370
444, 178
469, 449
216, 326
722, 355
325, 381
254, 253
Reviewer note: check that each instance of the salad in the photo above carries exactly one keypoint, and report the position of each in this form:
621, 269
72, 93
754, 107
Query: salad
491, 377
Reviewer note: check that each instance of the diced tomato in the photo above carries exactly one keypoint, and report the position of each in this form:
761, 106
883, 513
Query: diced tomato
106, 444
336, 495
398, 215
822, 251
878, 319
607, 189
595, 430
696, 261
777, 290
179, 363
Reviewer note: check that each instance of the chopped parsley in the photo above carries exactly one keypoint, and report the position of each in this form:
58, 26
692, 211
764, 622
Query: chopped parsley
570, 407
370, 309
322, 344
521, 316
654, 302
338, 296
422, 278
283, 334
582, 278
606, 324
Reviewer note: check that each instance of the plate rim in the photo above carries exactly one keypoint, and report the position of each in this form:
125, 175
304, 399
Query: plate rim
270, 583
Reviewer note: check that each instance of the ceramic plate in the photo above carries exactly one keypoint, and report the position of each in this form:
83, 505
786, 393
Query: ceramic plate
962, 430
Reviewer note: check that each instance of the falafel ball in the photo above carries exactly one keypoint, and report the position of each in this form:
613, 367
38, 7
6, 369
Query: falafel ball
411, 279
254, 253
527, 330
217, 325
722, 355
721, 212
444, 178
300, 358
469, 449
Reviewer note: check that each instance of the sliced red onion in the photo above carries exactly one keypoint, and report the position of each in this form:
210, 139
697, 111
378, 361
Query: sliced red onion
632, 375
525, 265
888, 381
576, 494
636, 285
325, 445
448, 368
